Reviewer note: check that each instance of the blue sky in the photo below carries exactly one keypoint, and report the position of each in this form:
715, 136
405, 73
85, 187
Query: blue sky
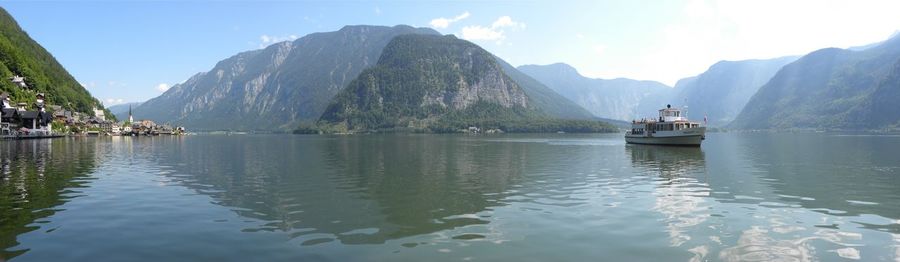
132, 50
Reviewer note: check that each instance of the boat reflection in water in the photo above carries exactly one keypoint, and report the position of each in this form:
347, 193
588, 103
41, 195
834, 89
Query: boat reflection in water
708, 212
681, 190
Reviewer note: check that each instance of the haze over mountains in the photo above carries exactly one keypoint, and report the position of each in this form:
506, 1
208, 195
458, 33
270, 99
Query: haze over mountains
723, 90
289, 83
720, 92
618, 99
830, 88
427, 78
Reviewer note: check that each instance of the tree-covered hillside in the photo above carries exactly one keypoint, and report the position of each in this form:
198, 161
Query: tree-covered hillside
21, 55
829, 88
435, 83
274, 88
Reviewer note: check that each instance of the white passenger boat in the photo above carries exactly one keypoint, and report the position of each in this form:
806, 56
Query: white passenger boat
671, 128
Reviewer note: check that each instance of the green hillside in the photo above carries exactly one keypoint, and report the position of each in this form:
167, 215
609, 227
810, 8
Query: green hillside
439, 84
830, 89
21, 55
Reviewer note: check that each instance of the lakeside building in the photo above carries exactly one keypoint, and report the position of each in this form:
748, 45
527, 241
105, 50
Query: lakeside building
20, 122
44, 120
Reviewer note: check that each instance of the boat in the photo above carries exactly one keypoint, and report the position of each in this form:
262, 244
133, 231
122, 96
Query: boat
671, 128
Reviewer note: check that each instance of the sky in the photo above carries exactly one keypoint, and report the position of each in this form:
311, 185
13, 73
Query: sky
131, 51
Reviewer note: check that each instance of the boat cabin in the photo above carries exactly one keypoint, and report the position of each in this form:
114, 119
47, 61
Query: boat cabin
670, 114
670, 119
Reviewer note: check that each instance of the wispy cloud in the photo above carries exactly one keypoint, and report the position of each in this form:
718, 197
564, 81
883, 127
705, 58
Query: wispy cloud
114, 101
267, 40
377, 10
445, 22
506, 21
493, 33
162, 87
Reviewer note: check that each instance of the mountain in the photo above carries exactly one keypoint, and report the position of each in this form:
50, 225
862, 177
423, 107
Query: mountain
722, 91
21, 55
619, 98
545, 98
121, 110
274, 88
437, 83
830, 88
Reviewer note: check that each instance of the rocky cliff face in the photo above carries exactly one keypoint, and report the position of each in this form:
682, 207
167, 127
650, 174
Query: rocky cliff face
427, 78
276, 87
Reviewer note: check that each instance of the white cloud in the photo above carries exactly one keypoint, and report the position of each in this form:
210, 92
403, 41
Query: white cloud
599, 50
493, 33
445, 22
506, 21
709, 31
114, 101
162, 87
267, 40
476, 32
377, 10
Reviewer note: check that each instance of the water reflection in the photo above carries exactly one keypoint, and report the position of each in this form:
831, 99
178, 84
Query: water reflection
356, 190
849, 181
36, 177
739, 197
796, 194
838, 175
680, 190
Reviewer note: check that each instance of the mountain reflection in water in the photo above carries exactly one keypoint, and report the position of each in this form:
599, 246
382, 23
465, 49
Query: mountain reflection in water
409, 197
36, 177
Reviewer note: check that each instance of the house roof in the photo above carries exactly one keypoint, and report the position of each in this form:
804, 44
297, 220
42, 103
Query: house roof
8, 112
28, 114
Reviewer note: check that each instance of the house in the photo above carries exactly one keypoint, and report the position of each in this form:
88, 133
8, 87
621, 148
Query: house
99, 114
19, 81
9, 117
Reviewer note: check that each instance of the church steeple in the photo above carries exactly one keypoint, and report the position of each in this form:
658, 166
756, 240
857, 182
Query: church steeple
130, 118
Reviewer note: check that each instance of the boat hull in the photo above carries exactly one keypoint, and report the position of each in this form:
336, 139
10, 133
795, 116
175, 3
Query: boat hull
688, 140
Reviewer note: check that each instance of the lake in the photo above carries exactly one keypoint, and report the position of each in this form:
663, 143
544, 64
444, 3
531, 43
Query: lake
536, 197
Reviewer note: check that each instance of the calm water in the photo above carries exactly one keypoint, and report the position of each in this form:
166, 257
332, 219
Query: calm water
787, 197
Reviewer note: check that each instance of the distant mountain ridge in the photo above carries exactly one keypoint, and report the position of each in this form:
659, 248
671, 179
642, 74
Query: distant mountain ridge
277, 87
428, 83
423, 79
722, 91
289, 83
830, 88
618, 98
121, 110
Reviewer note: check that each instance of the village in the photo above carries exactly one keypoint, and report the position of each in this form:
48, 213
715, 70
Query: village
40, 120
